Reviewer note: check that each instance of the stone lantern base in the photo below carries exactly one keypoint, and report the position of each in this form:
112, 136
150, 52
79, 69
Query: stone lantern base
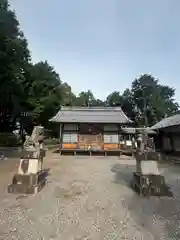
150, 185
147, 180
28, 184
30, 177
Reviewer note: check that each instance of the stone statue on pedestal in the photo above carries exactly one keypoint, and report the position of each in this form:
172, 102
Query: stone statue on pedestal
147, 179
30, 177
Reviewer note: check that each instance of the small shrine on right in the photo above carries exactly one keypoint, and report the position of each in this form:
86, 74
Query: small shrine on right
147, 180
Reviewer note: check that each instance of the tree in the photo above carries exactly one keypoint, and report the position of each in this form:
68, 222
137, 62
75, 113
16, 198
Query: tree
69, 98
85, 99
125, 101
45, 92
14, 57
38, 89
98, 103
152, 101
114, 99
128, 104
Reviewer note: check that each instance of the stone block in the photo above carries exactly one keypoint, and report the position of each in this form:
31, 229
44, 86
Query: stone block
25, 189
150, 185
28, 184
149, 168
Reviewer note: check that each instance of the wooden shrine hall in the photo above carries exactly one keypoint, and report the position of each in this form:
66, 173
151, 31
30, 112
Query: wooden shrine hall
91, 129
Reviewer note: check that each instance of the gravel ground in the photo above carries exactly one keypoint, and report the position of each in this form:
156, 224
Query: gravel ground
90, 198
7, 168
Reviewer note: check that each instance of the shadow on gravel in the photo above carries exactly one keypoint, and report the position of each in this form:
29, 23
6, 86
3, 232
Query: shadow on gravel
56, 151
123, 173
148, 212
160, 216
47, 172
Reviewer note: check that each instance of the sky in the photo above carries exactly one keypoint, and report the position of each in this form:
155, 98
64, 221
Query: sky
103, 45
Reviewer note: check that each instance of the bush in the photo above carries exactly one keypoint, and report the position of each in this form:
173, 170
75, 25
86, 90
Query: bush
9, 140
12, 140
51, 141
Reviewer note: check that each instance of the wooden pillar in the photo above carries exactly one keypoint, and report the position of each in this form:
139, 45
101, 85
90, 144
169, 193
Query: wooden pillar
103, 135
61, 136
160, 141
119, 134
78, 133
60, 131
172, 142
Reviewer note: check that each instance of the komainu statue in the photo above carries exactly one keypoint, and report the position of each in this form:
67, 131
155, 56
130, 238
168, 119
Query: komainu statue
147, 179
30, 177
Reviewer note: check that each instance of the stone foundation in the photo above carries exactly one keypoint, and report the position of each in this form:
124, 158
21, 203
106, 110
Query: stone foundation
150, 185
28, 184
147, 180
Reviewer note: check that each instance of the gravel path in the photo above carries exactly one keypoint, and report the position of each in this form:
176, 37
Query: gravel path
89, 198
7, 168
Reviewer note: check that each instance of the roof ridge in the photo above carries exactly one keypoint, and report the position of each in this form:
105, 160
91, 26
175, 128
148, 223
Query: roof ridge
79, 108
91, 114
167, 121
166, 118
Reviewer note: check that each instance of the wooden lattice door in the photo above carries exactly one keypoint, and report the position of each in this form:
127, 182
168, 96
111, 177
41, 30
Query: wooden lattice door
90, 137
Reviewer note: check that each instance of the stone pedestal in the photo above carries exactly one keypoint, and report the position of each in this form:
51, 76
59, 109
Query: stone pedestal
28, 184
147, 180
30, 177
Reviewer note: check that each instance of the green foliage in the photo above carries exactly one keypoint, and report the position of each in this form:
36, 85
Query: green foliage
152, 100
38, 89
146, 102
128, 105
87, 99
114, 99
45, 91
14, 56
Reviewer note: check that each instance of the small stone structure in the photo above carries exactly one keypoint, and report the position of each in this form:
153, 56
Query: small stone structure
147, 180
30, 177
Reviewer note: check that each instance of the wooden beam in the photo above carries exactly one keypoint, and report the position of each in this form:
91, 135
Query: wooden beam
61, 137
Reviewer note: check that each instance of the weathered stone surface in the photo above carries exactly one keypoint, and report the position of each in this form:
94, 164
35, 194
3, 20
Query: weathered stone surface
26, 189
30, 177
149, 168
147, 179
150, 185
28, 184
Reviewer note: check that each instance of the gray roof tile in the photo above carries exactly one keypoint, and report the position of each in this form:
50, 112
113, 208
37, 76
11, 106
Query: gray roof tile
91, 114
129, 130
167, 122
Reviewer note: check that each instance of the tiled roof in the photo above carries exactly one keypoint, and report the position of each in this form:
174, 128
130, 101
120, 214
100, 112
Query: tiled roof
167, 122
91, 115
133, 130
